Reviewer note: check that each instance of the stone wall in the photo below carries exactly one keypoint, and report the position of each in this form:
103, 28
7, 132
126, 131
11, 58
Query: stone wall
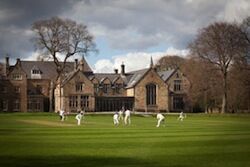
161, 93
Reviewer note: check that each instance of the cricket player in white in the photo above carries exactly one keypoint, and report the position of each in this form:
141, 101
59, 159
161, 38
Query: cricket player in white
160, 118
181, 116
79, 118
61, 113
120, 115
115, 119
127, 117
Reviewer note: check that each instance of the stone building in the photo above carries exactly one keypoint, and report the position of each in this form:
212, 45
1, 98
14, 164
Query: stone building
27, 86
142, 90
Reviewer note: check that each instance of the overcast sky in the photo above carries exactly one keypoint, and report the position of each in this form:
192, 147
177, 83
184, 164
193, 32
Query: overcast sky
129, 31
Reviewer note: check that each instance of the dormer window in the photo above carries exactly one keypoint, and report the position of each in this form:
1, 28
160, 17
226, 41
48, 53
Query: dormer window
105, 88
118, 87
36, 73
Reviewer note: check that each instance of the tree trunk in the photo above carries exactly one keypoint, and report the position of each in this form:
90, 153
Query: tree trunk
60, 96
51, 96
205, 102
224, 97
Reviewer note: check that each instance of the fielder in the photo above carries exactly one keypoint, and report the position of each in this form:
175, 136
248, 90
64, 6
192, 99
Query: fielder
79, 118
115, 119
181, 116
160, 119
61, 113
127, 117
120, 115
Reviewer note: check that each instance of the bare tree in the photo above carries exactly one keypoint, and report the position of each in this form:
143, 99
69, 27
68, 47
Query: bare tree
220, 44
245, 27
205, 87
59, 38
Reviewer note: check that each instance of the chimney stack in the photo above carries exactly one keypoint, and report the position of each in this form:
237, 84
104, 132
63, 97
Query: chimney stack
81, 65
18, 61
122, 69
7, 65
76, 64
116, 71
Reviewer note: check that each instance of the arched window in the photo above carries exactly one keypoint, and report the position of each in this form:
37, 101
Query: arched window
151, 94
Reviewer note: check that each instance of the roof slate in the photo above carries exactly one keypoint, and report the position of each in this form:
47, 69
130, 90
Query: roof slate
48, 68
137, 75
166, 74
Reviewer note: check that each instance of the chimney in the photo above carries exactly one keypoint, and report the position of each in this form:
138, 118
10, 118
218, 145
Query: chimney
7, 65
18, 61
116, 71
7, 61
75, 64
81, 65
122, 69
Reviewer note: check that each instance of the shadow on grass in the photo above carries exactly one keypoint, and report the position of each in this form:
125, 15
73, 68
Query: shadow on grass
70, 161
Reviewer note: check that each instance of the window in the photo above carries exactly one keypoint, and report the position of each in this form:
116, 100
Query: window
29, 105
36, 74
16, 105
73, 101
178, 103
151, 94
16, 76
105, 88
17, 89
34, 105
36, 71
177, 85
118, 88
177, 75
96, 88
84, 101
79, 86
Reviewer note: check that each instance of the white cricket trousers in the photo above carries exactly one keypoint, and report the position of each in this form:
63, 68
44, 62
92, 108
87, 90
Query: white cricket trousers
159, 122
127, 120
78, 121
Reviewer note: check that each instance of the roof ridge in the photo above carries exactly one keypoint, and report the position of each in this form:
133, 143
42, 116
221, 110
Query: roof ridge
138, 70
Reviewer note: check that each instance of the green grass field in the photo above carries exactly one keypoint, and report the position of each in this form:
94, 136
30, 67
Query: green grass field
40, 139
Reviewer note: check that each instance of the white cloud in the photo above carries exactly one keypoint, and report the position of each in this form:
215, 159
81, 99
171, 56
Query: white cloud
103, 66
235, 10
143, 24
134, 61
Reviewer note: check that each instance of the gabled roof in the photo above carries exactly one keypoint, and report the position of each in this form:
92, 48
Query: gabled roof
71, 74
116, 78
103, 79
102, 76
36, 68
48, 68
111, 76
68, 77
130, 79
165, 75
136, 77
